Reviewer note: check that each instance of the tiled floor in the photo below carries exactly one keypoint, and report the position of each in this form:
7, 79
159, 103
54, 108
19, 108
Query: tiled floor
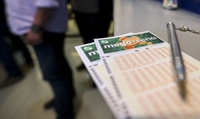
25, 99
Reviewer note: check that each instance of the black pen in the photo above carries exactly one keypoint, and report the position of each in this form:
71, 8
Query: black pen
177, 59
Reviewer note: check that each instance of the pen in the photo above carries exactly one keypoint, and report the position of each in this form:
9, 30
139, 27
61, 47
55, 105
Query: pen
177, 60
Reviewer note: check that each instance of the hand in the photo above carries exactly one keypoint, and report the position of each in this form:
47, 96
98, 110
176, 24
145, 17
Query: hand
34, 38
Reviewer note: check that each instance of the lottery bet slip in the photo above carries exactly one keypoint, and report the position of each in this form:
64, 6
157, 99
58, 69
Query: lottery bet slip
91, 59
140, 77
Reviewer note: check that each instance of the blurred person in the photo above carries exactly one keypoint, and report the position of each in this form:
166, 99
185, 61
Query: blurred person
43, 24
19, 45
93, 18
14, 73
16, 42
105, 16
86, 12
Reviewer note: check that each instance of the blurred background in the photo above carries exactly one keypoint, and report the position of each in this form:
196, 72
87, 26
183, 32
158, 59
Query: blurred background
26, 98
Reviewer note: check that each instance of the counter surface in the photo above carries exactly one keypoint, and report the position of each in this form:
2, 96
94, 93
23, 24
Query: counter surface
148, 15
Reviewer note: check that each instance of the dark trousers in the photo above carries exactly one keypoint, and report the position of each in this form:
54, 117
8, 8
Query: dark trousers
105, 16
87, 25
57, 72
95, 25
17, 43
6, 55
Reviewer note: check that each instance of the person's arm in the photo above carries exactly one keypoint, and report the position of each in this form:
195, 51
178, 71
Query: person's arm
34, 36
42, 15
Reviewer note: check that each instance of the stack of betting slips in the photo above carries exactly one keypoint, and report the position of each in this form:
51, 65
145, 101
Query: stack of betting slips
135, 75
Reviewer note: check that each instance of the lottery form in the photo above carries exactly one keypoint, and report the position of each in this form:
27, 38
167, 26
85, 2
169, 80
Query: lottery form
91, 59
139, 67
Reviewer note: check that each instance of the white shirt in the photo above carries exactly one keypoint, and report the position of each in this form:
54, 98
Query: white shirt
20, 15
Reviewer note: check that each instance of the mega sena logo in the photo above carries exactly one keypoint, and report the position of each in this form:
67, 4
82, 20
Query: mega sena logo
104, 42
88, 48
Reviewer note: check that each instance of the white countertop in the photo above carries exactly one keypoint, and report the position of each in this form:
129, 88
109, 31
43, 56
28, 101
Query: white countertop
148, 15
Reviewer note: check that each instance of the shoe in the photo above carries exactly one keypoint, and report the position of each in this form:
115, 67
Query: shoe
10, 81
49, 104
80, 67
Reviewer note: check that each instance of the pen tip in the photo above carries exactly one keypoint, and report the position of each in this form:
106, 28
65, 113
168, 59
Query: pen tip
182, 90
183, 95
